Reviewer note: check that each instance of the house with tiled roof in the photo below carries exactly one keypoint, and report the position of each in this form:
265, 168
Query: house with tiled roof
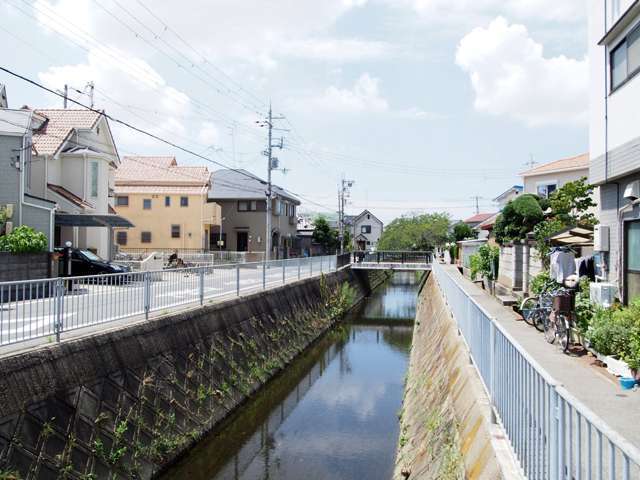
69, 166
544, 179
167, 203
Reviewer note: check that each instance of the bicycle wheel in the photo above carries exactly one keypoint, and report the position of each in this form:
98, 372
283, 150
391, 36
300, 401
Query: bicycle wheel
562, 331
539, 319
550, 328
528, 309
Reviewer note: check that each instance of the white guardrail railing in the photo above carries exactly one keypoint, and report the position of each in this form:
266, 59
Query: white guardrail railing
553, 434
32, 309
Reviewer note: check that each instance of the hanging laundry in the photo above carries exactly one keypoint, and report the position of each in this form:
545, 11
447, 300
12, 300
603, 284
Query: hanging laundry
562, 264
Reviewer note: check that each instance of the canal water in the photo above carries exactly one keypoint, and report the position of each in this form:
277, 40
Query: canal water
333, 414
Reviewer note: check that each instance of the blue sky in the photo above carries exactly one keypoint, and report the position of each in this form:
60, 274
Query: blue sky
425, 103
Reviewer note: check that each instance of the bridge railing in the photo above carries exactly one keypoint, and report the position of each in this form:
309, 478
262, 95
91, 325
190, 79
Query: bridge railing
402, 257
553, 434
33, 309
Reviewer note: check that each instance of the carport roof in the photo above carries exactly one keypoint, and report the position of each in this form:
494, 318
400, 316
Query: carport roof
91, 220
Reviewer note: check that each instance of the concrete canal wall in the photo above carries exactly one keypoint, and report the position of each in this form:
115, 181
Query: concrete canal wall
126, 403
446, 430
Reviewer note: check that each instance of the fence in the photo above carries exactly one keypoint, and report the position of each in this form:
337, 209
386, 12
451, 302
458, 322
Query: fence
48, 307
394, 257
553, 434
189, 256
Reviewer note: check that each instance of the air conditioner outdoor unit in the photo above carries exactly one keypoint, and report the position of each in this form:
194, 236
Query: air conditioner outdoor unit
632, 191
602, 294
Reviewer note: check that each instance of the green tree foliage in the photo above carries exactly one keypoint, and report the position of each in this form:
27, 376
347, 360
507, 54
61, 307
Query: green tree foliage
462, 231
23, 239
518, 218
324, 235
572, 203
417, 232
485, 262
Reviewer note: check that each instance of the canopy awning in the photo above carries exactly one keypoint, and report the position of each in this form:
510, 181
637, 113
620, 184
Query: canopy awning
578, 236
91, 220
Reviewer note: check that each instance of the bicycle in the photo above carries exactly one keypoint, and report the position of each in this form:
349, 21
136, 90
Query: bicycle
535, 310
558, 324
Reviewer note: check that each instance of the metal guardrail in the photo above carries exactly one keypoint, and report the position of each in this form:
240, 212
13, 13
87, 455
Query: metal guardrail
393, 257
200, 257
553, 434
32, 309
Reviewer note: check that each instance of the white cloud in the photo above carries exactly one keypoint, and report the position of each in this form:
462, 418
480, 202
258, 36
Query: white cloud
341, 50
510, 76
363, 97
209, 134
446, 11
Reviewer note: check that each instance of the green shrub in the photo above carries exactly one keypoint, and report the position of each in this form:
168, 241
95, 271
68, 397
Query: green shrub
24, 239
616, 332
485, 262
518, 218
543, 283
585, 310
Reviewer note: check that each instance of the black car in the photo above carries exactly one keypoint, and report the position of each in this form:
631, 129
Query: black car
85, 262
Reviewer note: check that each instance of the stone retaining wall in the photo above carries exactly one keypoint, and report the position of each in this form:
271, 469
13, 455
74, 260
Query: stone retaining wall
446, 430
126, 403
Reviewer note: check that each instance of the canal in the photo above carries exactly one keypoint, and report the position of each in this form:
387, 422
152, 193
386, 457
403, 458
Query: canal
333, 414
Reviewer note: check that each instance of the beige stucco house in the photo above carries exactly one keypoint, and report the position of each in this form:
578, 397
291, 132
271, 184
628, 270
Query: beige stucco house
166, 202
544, 179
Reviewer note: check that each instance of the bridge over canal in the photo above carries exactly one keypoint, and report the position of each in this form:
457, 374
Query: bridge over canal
407, 261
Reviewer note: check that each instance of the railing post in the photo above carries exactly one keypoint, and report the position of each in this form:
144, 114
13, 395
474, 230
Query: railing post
238, 279
403, 256
321, 264
264, 274
299, 266
311, 266
201, 284
283, 272
492, 362
59, 307
147, 294
378, 257
553, 434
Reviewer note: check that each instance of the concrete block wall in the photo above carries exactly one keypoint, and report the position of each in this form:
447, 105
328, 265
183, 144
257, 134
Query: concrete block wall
511, 267
126, 403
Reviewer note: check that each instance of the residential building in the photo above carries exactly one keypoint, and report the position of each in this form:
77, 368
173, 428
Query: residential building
510, 194
242, 197
477, 219
167, 203
366, 230
544, 179
70, 166
614, 137
16, 198
305, 244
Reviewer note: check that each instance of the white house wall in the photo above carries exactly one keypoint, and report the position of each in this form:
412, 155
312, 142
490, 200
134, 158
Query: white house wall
561, 178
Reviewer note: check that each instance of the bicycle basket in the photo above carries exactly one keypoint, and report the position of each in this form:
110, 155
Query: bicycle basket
563, 302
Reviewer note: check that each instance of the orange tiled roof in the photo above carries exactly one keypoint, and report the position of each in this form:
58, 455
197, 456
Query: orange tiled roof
70, 196
159, 171
59, 126
478, 218
578, 162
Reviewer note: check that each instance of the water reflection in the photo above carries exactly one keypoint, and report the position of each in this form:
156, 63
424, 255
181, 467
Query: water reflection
332, 414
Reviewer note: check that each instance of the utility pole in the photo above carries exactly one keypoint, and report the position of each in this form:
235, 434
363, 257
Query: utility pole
66, 94
477, 199
343, 194
531, 163
272, 164
91, 86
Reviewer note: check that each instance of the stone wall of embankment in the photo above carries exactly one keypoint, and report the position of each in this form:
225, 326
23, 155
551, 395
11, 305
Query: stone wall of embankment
127, 402
445, 424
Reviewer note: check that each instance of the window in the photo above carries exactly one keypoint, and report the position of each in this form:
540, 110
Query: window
167, 201
184, 201
122, 201
175, 231
146, 204
145, 237
94, 179
625, 59
247, 206
365, 229
121, 238
632, 267
545, 190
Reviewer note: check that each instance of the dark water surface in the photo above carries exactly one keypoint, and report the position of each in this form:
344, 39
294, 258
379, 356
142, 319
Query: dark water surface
332, 414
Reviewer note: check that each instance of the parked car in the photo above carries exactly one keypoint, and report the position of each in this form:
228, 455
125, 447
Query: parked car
85, 262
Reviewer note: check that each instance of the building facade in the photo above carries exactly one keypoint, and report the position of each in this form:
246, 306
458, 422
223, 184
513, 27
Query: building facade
366, 230
614, 137
243, 201
545, 179
167, 203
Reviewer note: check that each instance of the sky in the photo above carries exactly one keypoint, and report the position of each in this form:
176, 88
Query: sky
425, 104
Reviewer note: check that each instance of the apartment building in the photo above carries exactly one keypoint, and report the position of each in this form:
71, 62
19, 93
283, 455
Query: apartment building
614, 137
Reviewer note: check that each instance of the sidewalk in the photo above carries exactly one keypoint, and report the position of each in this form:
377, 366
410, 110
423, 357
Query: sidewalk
590, 384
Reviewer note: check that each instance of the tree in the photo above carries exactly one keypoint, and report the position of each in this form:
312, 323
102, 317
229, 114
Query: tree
324, 235
518, 218
572, 203
417, 232
462, 231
